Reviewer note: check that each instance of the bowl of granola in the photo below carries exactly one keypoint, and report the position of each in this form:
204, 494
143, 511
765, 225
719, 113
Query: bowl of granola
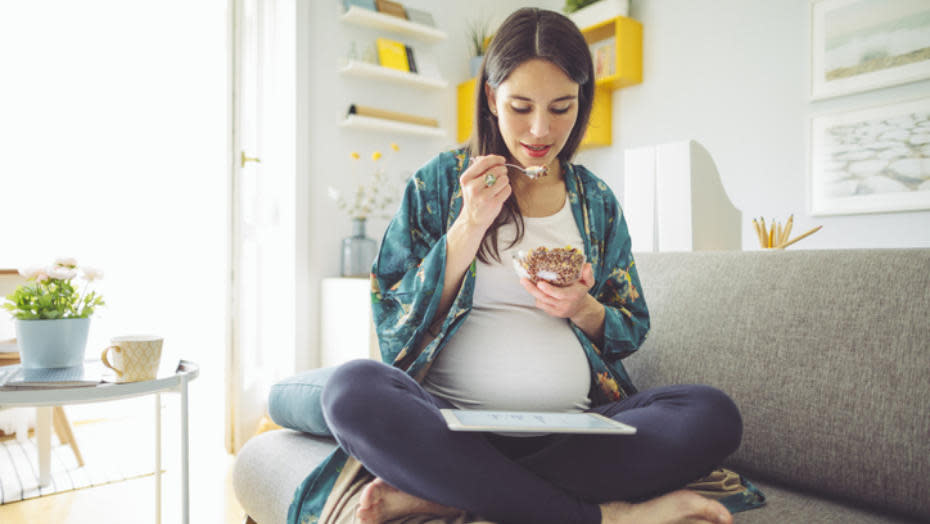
559, 266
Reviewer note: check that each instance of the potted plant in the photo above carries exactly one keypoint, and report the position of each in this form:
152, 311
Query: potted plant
586, 13
53, 314
479, 36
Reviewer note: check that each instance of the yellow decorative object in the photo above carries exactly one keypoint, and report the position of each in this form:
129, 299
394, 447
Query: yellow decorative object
466, 109
355, 155
392, 54
376, 155
600, 131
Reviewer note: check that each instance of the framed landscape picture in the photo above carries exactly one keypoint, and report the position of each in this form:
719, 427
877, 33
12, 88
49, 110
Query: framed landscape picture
858, 45
874, 160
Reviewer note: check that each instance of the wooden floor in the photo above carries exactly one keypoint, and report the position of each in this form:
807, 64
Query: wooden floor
212, 502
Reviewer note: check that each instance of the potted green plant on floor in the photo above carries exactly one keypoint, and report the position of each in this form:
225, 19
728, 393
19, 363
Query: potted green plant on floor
52, 313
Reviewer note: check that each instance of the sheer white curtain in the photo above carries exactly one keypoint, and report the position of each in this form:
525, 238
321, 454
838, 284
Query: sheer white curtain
262, 320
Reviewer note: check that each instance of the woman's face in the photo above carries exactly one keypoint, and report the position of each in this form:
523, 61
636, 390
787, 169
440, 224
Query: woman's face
536, 108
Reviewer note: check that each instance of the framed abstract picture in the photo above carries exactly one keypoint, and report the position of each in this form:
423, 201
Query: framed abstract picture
873, 160
858, 45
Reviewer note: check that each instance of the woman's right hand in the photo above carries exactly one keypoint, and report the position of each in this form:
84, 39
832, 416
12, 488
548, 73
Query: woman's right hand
482, 203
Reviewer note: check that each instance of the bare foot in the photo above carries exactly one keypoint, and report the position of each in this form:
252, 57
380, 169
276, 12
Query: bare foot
678, 507
381, 502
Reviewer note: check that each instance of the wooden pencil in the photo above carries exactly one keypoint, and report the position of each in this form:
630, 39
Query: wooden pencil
755, 224
765, 231
787, 232
802, 236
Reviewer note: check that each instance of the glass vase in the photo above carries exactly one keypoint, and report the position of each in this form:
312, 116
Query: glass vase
358, 252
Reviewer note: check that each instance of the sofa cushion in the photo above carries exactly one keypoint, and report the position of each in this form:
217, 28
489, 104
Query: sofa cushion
825, 353
294, 403
785, 505
271, 466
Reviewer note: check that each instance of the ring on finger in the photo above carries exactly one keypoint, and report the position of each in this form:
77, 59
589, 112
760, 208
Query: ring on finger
490, 179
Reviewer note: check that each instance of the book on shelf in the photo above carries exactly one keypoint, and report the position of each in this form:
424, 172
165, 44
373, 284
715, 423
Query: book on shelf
392, 54
411, 63
419, 16
90, 373
391, 8
364, 4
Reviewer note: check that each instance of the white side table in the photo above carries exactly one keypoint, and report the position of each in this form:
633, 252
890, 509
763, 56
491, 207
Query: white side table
44, 399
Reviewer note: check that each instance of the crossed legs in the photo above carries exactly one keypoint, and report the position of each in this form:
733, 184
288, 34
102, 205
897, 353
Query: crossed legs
381, 416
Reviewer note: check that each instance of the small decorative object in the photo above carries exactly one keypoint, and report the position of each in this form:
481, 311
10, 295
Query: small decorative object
859, 45
364, 4
560, 266
776, 236
358, 251
368, 200
53, 314
871, 160
420, 17
479, 37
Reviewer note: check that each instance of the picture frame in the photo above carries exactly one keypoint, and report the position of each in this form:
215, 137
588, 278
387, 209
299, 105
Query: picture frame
860, 45
874, 160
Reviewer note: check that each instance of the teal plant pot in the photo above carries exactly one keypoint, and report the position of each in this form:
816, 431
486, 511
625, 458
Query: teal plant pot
58, 343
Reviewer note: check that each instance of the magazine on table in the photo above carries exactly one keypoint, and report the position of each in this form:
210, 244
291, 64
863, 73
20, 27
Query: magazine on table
90, 373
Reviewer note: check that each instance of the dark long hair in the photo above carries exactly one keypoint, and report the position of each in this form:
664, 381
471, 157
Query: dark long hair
526, 34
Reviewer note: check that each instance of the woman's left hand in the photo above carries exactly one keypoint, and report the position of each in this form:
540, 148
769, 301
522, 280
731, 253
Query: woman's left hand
563, 302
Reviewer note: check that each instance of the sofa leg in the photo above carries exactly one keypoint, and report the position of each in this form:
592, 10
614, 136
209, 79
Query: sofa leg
248, 520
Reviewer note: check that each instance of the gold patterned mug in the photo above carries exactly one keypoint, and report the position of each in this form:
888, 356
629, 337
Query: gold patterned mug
133, 357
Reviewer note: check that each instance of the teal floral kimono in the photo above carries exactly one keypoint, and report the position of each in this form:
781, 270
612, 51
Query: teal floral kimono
407, 280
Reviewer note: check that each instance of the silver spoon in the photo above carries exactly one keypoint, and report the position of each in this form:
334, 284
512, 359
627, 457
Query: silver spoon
533, 172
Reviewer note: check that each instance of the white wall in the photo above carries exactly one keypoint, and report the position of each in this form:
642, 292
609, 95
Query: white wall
324, 147
733, 75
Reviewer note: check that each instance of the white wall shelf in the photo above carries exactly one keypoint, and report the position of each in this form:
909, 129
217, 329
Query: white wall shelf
366, 17
366, 70
368, 123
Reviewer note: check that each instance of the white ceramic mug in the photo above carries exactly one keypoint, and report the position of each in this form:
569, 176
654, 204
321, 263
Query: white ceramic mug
133, 357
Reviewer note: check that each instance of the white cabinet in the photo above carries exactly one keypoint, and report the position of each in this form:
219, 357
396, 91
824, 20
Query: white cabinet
346, 328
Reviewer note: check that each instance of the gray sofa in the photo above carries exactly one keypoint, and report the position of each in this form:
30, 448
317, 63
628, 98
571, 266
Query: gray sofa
827, 353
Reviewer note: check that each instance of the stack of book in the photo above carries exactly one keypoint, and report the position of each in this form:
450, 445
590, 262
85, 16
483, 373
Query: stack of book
395, 55
14, 377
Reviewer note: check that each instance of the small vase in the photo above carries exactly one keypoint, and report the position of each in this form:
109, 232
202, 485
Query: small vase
57, 343
474, 64
358, 251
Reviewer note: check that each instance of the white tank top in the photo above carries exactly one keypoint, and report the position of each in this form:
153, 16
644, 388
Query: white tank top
509, 355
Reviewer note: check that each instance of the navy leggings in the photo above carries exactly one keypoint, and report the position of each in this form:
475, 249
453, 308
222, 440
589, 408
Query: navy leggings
382, 417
